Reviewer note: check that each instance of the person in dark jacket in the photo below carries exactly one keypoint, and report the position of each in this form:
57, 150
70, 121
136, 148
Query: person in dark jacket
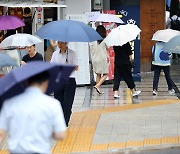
122, 69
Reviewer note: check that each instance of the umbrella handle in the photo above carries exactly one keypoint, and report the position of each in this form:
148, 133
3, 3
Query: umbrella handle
20, 56
58, 77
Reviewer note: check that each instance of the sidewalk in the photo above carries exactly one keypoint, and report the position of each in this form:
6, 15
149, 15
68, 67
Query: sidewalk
101, 124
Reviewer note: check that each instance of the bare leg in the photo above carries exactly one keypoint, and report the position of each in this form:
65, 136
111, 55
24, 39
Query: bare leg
98, 78
99, 81
102, 79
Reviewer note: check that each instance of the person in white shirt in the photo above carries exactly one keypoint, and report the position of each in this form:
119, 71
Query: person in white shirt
65, 95
32, 119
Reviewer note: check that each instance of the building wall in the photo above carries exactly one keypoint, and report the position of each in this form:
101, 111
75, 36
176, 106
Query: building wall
152, 18
78, 6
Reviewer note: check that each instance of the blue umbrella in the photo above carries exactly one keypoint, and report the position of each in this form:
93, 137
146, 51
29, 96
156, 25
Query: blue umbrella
6, 60
15, 82
68, 31
173, 45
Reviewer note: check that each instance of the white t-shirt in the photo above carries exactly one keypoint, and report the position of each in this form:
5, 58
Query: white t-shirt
30, 120
60, 58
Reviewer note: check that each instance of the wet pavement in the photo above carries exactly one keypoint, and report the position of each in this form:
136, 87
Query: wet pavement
144, 124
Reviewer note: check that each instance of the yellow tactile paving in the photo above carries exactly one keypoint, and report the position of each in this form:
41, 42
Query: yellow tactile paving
150, 141
172, 140
95, 147
134, 144
128, 96
117, 145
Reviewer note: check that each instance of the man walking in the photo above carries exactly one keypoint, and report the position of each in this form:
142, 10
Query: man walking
32, 118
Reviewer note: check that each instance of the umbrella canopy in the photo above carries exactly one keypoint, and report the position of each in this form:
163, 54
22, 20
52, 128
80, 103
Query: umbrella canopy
15, 82
6, 60
68, 31
106, 18
19, 40
165, 35
10, 22
122, 34
173, 45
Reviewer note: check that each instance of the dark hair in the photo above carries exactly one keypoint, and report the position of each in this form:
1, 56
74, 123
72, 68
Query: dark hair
27, 10
102, 32
1, 33
39, 78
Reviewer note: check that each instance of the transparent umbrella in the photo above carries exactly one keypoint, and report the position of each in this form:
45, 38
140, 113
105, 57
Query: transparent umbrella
19, 40
173, 45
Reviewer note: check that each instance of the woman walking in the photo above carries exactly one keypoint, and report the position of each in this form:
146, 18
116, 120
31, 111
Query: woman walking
100, 59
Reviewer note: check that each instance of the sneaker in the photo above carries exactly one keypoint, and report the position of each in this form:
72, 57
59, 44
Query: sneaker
172, 92
116, 96
155, 92
136, 93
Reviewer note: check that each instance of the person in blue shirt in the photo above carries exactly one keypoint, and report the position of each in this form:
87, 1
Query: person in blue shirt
160, 62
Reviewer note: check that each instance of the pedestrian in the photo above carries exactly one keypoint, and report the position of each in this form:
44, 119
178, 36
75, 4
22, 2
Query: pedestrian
122, 69
161, 61
32, 55
51, 47
65, 95
32, 118
100, 59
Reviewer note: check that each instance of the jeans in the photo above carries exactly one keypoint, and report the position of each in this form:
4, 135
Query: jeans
166, 70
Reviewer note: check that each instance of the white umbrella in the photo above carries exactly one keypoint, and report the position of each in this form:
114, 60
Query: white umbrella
173, 45
122, 34
165, 35
106, 18
19, 40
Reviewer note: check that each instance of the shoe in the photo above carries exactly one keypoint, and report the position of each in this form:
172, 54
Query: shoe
172, 92
99, 92
155, 92
116, 96
136, 93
